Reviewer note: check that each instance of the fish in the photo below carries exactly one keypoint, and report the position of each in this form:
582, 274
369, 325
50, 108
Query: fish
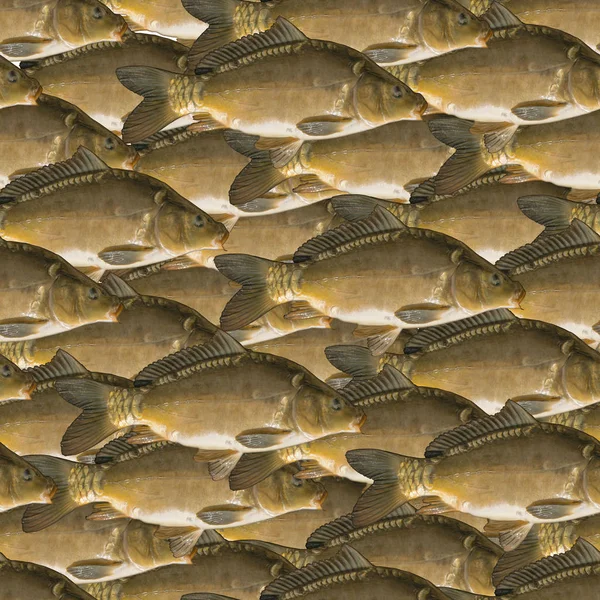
376, 272
15, 383
201, 165
527, 74
50, 131
86, 76
469, 214
560, 152
21, 483
273, 403
401, 418
28, 580
37, 29
490, 358
576, 19
149, 328
350, 575
550, 268
236, 568
277, 83
87, 550
37, 426
436, 547
385, 31
168, 19
354, 164
43, 294
101, 218
506, 467
16, 87
160, 483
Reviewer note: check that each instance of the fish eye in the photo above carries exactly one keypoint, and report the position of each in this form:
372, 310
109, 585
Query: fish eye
463, 18
12, 76
495, 279
93, 293
199, 221
297, 482
97, 13
336, 404
6, 371
109, 143
397, 91
27, 475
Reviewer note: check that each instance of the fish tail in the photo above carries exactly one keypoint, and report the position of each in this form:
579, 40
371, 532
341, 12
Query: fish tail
60, 470
155, 111
253, 467
354, 360
395, 479
551, 212
220, 16
256, 275
94, 424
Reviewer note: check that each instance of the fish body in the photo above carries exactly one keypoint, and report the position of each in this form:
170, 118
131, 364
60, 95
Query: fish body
385, 31
527, 74
16, 87
43, 294
376, 272
78, 210
277, 83
41, 28
87, 549
86, 76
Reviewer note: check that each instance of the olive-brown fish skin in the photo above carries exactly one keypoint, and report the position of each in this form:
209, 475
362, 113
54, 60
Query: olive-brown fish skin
308, 88
387, 32
86, 76
16, 87
40, 29
51, 131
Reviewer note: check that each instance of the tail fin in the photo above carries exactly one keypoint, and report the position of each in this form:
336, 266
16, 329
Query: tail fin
94, 424
155, 111
254, 467
354, 360
253, 300
391, 474
40, 516
218, 15
553, 213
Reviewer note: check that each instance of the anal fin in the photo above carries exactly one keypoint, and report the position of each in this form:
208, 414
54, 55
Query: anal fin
538, 110
262, 438
420, 314
323, 125
21, 327
390, 53
95, 568
223, 514
20, 47
536, 404
124, 255
553, 508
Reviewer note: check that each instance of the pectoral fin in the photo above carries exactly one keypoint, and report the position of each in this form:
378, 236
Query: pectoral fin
96, 568
224, 514
220, 462
21, 328
182, 540
538, 110
20, 47
379, 338
124, 255
417, 314
554, 508
323, 125
510, 533
535, 404
389, 53
262, 438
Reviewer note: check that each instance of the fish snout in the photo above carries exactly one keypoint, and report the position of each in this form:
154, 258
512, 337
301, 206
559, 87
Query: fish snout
317, 502
50, 491
33, 96
121, 31
518, 296
132, 160
27, 390
359, 422
484, 37
221, 238
114, 313
421, 107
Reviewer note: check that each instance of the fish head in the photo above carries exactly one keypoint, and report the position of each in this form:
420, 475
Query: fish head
76, 301
145, 549
380, 98
584, 83
283, 492
80, 22
581, 376
480, 562
446, 25
182, 227
21, 483
478, 285
14, 382
319, 410
16, 87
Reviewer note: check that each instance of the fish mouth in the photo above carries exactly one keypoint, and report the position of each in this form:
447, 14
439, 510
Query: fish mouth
518, 298
358, 424
27, 390
318, 501
220, 241
485, 37
420, 109
121, 32
50, 493
33, 96
115, 312
132, 161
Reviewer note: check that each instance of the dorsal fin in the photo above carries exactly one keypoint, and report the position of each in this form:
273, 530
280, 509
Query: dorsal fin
455, 441
559, 566
61, 365
342, 238
115, 286
282, 32
432, 337
499, 17
222, 344
120, 450
545, 249
83, 161
167, 137
388, 381
346, 560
